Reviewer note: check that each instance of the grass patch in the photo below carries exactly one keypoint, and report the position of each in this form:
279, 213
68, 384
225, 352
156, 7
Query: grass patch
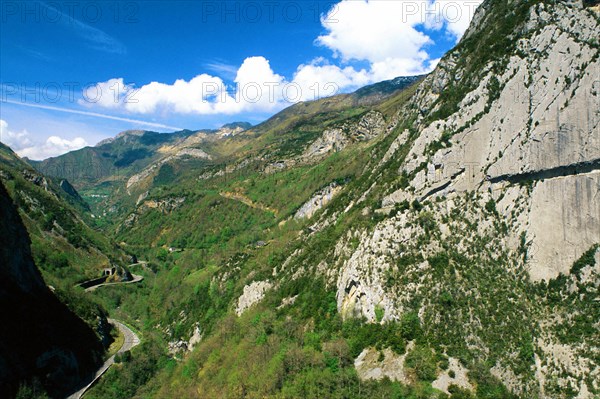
119, 340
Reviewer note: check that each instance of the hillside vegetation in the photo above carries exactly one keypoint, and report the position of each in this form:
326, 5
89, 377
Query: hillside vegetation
432, 237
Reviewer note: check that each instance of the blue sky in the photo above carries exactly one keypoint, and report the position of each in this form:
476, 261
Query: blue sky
76, 72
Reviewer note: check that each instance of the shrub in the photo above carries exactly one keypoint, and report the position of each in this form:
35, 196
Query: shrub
587, 259
490, 206
459, 393
422, 361
416, 205
410, 326
379, 313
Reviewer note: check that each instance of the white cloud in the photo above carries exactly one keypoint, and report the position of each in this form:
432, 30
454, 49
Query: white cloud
454, 15
374, 31
257, 88
53, 147
320, 79
393, 67
383, 33
109, 94
184, 97
15, 140
386, 36
23, 145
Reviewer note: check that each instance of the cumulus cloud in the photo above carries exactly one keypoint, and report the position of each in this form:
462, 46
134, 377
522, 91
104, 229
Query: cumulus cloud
387, 37
52, 147
375, 31
454, 15
321, 79
257, 88
109, 94
22, 143
181, 97
389, 34
15, 140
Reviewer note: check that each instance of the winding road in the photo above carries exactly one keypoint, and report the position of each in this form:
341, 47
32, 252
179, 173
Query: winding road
131, 340
136, 278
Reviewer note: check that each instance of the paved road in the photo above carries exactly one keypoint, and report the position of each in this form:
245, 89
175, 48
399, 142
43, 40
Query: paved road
131, 340
136, 278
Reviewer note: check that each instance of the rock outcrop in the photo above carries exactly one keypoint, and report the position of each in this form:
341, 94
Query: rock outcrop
537, 121
320, 199
335, 139
331, 140
372, 364
253, 293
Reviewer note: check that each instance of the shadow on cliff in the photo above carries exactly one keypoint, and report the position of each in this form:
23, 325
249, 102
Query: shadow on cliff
42, 342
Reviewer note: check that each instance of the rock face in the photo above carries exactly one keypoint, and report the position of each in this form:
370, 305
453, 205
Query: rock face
331, 140
35, 178
564, 221
455, 375
69, 189
511, 171
369, 126
538, 121
372, 364
232, 129
318, 201
253, 293
177, 348
39, 337
164, 205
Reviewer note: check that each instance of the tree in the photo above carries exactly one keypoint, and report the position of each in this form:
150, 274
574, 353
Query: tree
422, 361
162, 254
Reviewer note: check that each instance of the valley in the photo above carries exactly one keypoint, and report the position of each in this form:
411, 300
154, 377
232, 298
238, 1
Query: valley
427, 237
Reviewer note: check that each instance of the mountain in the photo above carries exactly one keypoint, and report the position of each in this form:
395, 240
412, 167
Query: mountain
441, 240
378, 91
97, 171
129, 151
57, 219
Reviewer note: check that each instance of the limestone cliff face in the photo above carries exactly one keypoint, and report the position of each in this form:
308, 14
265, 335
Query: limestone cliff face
39, 337
318, 201
335, 139
506, 159
252, 294
535, 120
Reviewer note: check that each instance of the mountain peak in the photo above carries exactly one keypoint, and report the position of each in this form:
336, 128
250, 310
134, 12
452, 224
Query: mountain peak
231, 129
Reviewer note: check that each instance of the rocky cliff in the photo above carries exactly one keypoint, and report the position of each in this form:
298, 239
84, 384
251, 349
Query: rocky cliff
502, 146
40, 339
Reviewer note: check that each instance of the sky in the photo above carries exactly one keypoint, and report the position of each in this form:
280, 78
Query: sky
76, 72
